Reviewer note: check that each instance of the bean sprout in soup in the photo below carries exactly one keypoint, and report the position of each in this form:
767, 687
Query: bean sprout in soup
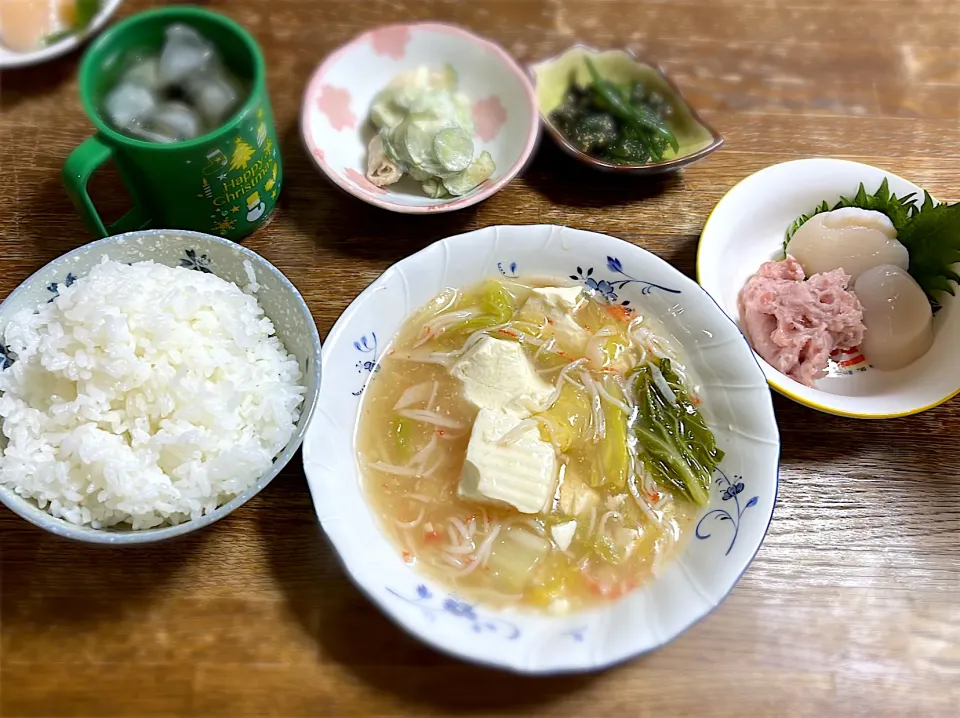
529, 443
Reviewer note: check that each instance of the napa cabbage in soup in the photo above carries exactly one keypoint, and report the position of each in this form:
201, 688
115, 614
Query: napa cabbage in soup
528, 443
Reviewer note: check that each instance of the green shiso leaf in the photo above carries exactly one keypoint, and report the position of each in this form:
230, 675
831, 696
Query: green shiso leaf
930, 232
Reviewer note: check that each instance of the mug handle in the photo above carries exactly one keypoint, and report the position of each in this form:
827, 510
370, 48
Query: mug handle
79, 167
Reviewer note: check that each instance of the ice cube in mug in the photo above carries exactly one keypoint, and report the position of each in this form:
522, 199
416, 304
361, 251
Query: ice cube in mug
185, 52
215, 94
126, 102
143, 130
174, 119
144, 70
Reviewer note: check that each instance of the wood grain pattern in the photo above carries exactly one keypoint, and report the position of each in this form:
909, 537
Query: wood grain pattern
852, 607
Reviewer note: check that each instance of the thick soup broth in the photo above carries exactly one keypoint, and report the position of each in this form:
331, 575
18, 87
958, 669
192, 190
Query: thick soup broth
498, 444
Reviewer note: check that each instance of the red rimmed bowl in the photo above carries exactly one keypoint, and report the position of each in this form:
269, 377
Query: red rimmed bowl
553, 76
335, 122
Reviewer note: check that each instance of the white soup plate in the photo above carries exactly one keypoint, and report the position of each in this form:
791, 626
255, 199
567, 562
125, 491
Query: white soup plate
335, 123
747, 228
722, 542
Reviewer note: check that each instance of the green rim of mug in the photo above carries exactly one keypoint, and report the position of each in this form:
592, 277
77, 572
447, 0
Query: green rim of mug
90, 66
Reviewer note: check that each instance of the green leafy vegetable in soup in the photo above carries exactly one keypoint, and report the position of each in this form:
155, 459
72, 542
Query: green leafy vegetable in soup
425, 129
680, 448
531, 444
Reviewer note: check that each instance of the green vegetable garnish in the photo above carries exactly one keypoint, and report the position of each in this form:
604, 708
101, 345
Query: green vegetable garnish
620, 124
931, 233
57, 36
681, 450
639, 117
932, 238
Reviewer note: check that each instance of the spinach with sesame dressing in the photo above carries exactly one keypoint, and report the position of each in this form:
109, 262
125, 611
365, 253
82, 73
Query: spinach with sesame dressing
620, 124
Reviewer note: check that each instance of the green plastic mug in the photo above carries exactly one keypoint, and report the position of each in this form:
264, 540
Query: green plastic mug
225, 182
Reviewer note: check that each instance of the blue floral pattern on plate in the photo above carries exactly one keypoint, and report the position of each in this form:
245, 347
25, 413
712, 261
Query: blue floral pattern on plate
197, 262
54, 287
731, 491
608, 288
512, 274
455, 608
6, 358
371, 366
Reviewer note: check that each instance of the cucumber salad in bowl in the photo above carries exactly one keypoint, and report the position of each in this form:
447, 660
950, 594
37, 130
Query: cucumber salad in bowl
425, 129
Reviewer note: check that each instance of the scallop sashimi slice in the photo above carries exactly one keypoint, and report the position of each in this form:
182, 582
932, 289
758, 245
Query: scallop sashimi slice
897, 316
850, 238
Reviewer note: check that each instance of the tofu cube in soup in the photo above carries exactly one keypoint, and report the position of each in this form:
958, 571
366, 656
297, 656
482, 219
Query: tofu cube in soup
497, 375
559, 297
507, 463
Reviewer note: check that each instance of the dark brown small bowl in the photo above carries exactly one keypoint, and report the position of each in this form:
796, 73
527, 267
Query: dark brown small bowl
551, 78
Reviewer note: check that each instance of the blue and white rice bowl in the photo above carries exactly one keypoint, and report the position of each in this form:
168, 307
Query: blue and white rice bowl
736, 401
281, 303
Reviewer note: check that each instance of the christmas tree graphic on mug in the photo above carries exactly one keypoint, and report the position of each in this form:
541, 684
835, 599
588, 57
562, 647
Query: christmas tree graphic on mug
241, 178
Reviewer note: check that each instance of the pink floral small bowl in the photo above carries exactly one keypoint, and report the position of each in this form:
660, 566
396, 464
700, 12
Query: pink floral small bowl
336, 128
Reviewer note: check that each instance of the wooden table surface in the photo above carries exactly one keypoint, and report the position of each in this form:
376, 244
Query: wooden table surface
852, 606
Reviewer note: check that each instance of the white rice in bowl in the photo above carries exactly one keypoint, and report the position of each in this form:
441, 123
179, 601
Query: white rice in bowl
143, 394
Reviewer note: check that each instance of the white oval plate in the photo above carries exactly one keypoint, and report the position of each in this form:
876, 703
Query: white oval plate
735, 397
747, 228
10, 58
334, 117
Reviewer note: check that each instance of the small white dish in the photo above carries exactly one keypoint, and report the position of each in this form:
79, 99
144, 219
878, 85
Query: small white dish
735, 397
280, 300
11, 58
334, 119
747, 228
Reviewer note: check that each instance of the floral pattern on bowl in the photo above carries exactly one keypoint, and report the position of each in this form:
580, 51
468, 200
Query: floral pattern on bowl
334, 117
552, 77
280, 300
722, 543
